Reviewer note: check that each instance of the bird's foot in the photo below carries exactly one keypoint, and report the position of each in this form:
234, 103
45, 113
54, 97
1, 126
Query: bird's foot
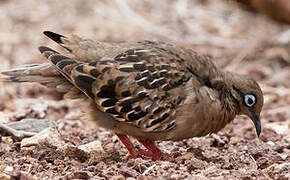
158, 155
152, 151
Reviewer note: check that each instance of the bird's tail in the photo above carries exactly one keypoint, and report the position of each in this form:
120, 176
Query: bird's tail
45, 74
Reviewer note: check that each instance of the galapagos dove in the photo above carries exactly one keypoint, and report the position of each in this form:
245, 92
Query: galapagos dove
147, 90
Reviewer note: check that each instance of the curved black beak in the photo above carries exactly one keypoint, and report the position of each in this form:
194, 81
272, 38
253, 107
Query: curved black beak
256, 120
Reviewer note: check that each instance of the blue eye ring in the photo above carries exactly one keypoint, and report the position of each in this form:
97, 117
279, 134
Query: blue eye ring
249, 100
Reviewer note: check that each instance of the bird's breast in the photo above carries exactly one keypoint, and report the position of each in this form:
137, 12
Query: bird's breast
201, 114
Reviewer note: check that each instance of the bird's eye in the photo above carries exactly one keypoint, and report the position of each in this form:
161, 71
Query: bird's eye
250, 100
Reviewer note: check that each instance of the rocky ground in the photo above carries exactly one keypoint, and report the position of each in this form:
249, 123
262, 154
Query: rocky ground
44, 136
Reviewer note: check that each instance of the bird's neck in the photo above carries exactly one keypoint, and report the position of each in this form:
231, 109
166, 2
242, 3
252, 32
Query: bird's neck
229, 103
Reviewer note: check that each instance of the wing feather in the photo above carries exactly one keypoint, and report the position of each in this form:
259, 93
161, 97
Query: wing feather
136, 87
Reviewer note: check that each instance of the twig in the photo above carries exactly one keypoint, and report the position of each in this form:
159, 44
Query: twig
149, 169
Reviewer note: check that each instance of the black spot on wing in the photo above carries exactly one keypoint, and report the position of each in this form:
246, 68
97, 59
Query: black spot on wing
56, 58
140, 67
145, 73
142, 95
151, 68
129, 101
112, 110
127, 69
109, 102
85, 83
166, 87
158, 82
142, 82
64, 63
54, 36
107, 92
158, 110
80, 68
43, 49
126, 109
170, 126
94, 63
159, 120
95, 73
133, 116
126, 93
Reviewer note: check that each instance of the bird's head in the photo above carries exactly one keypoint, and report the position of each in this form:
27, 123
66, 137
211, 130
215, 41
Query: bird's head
244, 92
248, 96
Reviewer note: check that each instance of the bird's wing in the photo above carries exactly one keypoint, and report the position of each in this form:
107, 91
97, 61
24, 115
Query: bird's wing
141, 87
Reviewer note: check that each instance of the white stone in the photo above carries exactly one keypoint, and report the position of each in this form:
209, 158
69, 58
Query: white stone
49, 136
92, 146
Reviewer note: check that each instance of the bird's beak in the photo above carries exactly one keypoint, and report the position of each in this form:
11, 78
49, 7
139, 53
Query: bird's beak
256, 120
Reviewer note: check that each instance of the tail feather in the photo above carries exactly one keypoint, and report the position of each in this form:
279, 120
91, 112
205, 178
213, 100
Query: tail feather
57, 38
55, 74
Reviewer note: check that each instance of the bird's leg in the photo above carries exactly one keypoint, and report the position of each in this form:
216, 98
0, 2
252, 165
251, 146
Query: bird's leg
153, 151
132, 153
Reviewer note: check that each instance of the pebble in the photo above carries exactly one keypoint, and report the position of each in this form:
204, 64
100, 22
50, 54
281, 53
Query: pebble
7, 139
31, 125
48, 136
92, 146
271, 143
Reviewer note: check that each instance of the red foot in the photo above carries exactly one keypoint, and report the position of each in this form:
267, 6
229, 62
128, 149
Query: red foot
165, 156
132, 153
152, 151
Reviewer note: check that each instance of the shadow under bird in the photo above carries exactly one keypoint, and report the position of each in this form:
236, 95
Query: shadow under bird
147, 90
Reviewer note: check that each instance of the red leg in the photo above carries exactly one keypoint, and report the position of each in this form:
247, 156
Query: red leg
132, 153
154, 151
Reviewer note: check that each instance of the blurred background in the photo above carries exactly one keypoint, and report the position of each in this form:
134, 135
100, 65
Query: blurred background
251, 37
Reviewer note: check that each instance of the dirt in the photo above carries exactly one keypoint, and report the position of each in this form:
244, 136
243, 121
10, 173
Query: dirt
237, 40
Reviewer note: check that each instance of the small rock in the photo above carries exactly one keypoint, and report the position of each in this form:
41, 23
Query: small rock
271, 143
8, 169
184, 157
31, 125
7, 140
218, 141
196, 164
283, 156
48, 136
92, 146
74, 152
97, 156
211, 170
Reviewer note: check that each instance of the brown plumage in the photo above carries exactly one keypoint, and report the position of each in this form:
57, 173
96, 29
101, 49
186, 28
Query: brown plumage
147, 90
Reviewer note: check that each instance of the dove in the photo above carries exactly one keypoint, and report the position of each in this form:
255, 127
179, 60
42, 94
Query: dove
151, 91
